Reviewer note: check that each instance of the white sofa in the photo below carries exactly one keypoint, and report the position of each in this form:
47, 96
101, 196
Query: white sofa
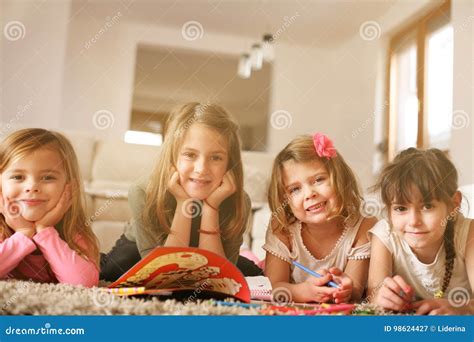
109, 166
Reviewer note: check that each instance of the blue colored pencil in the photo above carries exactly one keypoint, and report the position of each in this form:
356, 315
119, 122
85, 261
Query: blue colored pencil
316, 274
238, 304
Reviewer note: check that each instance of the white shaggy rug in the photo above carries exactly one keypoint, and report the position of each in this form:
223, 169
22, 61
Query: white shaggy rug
29, 298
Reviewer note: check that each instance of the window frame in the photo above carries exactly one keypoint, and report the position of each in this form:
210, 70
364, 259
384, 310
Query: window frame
418, 27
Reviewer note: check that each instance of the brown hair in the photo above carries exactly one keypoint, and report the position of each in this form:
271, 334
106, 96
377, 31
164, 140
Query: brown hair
302, 150
23, 142
160, 204
436, 178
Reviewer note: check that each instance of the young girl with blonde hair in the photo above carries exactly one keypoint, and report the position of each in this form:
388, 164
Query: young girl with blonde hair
195, 195
316, 221
423, 255
43, 231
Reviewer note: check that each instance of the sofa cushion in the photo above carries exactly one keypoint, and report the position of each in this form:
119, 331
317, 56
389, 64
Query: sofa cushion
257, 172
107, 232
117, 161
84, 145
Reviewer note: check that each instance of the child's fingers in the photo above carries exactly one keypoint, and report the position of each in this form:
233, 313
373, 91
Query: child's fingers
323, 271
345, 282
423, 307
343, 295
321, 281
405, 287
388, 304
397, 303
336, 271
397, 290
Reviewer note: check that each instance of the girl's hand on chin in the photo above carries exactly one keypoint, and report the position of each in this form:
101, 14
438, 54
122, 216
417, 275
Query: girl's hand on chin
175, 188
55, 215
12, 213
223, 191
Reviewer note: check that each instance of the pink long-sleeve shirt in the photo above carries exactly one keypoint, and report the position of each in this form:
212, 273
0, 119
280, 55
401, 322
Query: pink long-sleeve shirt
57, 263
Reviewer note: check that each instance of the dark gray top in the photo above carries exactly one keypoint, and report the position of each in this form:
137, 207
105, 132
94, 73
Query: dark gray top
147, 238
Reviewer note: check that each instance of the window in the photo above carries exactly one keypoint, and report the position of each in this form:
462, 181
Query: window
421, 83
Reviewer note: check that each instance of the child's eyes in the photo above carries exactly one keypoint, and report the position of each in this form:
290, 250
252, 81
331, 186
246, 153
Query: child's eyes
293, 190
216, 158
399, 208
189, 155
319, 179
428, 206
16, 177
49, 178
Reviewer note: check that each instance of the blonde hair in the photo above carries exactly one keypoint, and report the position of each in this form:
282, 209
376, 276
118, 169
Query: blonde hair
23, 142
435, 177
160, 204
343, 180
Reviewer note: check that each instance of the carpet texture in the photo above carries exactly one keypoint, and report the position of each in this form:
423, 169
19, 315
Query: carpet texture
29, 298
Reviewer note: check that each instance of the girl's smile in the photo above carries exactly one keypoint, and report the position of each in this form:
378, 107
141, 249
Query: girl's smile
202, 161
309, 190
34, 183
316, 208
421, 225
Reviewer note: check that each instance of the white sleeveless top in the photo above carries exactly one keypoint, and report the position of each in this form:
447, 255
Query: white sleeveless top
427, 279
338, 257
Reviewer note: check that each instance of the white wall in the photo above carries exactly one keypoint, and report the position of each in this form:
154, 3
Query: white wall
462, 141
32, 66
330, 91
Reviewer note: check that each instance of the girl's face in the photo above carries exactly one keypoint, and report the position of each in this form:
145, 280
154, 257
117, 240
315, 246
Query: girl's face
202, 161
421, 225
34, 183
309, 191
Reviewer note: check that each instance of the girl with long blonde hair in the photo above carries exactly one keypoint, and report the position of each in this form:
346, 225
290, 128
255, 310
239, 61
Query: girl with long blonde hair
194, 196
43, 231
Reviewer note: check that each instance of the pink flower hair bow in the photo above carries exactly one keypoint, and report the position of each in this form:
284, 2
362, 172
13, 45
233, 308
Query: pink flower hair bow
323, 146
